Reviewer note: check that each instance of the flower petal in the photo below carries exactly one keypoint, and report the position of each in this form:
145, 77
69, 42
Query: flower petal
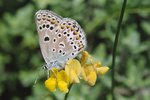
102, 70
91, 78
73, 77
51, 84
73, 69
97, 64
83, 74
88, 68
89, 74
84, 57
53, 72
62, 85
74, 65
62, 76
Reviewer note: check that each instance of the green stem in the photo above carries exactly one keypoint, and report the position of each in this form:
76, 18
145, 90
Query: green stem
66, 96
115, 48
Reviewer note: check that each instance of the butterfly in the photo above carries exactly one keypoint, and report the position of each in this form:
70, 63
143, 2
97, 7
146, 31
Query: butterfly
60, 39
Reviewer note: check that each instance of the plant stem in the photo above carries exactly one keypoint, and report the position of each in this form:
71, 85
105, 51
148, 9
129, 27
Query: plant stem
66, 96
115, 48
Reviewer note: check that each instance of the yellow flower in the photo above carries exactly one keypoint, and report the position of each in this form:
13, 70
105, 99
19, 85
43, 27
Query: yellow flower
57, 79
90, 70
102, 70
63, 86
91, 78
84, 57
51, 84
73, 69
63, 78
89, 75
63, 81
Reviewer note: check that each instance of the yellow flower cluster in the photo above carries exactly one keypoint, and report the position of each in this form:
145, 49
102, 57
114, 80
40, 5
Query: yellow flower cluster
85, 69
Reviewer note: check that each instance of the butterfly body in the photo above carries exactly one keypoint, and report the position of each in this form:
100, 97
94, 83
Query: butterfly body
60, 38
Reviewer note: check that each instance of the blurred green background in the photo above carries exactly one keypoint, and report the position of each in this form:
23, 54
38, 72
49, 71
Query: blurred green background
21, 59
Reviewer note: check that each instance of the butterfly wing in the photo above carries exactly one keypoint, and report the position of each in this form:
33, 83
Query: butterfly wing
46, 22
73, 39
60, 38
